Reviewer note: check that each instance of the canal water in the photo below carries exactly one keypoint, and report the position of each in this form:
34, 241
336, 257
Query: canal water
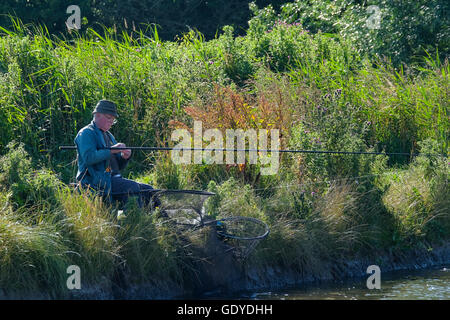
430, 284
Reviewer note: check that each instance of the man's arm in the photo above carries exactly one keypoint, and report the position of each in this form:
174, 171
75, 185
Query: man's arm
122, 156
87, 147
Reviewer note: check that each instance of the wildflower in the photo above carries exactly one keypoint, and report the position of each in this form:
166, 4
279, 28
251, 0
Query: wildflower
313, 193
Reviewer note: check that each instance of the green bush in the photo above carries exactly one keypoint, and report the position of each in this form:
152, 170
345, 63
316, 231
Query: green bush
14, 166
404, 32
332, 124
28, 187
233, 199
238, 62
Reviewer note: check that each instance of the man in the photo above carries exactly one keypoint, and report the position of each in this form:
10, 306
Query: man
98, 167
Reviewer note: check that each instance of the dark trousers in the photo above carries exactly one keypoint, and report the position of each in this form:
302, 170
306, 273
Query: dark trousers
122, 188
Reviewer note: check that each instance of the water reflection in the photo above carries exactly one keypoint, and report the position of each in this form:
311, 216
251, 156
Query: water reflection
411, 285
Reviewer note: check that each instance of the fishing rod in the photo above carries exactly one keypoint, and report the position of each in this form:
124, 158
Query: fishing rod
252, 150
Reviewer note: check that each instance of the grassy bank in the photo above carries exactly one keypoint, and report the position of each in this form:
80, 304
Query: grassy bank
54, 228
315, 88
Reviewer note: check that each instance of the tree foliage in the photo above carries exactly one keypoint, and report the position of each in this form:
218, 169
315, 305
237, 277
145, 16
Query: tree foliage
172, 16
403, 31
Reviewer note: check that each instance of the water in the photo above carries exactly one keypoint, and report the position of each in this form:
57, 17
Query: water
431, 284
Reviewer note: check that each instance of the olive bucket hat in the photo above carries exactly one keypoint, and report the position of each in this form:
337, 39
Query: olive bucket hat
106, 106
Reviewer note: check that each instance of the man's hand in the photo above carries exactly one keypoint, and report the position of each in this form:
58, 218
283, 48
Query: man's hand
118, 145
126, 153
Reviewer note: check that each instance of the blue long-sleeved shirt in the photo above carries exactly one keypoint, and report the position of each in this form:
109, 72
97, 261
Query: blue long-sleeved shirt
93, 158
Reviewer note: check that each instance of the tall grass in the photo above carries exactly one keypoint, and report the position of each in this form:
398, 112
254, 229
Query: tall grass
32, 257
418, 198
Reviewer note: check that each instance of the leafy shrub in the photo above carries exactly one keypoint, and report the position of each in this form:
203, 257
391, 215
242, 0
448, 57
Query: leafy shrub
14, 166
227, 108
27, 186
233, 199
238, 62
331, 124
405, 30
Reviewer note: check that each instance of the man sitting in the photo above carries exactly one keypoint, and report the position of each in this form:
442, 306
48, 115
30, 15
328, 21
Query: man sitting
99, 167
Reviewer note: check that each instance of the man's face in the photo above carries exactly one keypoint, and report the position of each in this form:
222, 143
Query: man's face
104, 121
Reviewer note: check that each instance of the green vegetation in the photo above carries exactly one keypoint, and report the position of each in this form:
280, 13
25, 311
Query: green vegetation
320, 89
400, 31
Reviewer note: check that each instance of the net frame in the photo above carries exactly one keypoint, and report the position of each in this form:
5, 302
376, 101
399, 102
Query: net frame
241, 246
